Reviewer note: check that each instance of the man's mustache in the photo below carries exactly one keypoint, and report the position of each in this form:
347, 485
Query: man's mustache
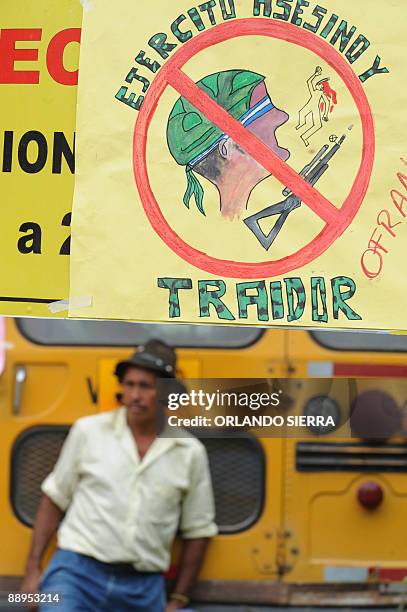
137, 404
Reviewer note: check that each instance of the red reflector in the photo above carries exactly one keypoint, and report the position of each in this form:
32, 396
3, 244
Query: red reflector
391, 574
364, 369
370, 495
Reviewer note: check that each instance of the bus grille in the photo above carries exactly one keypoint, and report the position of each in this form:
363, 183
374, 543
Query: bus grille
33, 457
237, 469
352, 457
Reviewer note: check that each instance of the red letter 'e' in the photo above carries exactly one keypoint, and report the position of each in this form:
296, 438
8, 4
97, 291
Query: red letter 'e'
9, 54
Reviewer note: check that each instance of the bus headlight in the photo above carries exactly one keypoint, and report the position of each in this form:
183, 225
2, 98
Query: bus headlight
325, 407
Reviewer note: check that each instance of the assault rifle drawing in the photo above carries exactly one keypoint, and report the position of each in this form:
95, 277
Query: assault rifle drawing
312, 172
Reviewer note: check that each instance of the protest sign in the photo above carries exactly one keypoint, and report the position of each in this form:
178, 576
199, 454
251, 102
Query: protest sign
39, 55
241, 162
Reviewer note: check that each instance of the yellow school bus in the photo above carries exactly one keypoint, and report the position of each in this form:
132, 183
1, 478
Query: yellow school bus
296, 517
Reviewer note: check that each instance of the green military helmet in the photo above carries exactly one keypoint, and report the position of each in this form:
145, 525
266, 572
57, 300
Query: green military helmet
190, 133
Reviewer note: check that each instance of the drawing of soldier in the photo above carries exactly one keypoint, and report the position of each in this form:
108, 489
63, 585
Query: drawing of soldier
204, 150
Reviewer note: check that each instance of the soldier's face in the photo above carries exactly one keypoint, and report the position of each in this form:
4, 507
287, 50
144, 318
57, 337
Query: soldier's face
265, 129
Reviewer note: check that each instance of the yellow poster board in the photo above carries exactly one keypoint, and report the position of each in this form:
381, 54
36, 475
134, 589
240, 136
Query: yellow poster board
39, 57
242, 162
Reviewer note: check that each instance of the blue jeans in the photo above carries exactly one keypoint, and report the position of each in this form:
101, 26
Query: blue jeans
87, 585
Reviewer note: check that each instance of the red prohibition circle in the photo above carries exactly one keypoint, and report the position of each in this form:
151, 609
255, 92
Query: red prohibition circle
332, 230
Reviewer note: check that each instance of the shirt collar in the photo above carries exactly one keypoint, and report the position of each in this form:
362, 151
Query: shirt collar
120, 425
168, 438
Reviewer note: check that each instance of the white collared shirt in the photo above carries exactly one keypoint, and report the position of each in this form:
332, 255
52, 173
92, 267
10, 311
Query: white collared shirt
123, 510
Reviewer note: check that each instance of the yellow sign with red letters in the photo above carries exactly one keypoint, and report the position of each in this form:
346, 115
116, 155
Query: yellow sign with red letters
39, 57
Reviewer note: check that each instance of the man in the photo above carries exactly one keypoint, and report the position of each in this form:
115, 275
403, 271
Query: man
118, 494
202, 148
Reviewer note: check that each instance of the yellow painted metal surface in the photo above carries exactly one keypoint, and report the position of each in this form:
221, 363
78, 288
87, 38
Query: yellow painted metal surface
321, 513
329, 526
302, 349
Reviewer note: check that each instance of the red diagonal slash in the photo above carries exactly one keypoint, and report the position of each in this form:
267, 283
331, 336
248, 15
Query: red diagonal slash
252, 145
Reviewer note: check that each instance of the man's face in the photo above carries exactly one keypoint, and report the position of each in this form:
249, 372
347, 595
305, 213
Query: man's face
139, 394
